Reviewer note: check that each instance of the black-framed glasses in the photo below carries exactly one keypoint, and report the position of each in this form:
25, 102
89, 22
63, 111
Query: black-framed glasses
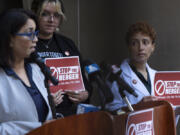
31, 35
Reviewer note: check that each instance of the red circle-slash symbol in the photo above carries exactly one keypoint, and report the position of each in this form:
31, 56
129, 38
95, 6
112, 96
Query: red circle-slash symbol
159, 88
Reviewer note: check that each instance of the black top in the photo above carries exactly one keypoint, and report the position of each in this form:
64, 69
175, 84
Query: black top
48, 48
147, 83
61, 46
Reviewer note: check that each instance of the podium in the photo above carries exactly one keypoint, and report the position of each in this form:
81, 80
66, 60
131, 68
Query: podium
104, 123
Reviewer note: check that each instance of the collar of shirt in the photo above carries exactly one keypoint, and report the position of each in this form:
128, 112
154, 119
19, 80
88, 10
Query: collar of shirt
10, 72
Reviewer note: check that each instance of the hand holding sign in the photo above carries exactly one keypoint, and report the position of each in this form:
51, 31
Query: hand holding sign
77, 96
58, 97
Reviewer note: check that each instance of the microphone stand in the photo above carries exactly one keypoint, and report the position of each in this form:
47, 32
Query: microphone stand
46, 71
50, 99
121, 91
101, 94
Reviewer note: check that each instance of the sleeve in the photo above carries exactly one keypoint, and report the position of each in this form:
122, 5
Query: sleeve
117, 102
17, 127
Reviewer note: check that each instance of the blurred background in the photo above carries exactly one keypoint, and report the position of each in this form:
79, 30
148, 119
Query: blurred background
98, 27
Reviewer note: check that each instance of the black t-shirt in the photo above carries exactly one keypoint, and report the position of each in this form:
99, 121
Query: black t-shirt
47, 48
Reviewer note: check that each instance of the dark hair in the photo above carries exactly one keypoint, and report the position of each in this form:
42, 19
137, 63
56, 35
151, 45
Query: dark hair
36, 5
31, 15
11, 22
142, 27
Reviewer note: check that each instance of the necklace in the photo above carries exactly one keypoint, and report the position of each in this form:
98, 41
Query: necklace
45, 43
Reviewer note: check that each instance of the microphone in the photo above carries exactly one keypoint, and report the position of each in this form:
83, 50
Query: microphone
94, 74
85, 108
113, 74
45, 69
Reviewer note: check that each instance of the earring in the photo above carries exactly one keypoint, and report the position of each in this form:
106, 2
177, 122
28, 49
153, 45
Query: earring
57, 29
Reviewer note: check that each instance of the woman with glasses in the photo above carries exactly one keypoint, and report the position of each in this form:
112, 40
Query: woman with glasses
23, 96
52, 45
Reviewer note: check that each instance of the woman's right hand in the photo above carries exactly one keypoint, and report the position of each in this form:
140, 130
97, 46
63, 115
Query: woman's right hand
58, 97
149, 98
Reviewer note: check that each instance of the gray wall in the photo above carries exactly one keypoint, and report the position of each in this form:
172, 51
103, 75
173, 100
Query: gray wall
97, 30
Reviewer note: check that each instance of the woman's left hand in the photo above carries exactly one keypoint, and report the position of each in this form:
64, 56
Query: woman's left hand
77, 96
58, 97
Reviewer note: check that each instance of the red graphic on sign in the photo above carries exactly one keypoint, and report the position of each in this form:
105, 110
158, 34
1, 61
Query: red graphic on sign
67, 70
140, 123
160, 87
167, 86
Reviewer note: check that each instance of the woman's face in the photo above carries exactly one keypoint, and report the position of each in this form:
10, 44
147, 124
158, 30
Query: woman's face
49, 19
24, 43
140, 48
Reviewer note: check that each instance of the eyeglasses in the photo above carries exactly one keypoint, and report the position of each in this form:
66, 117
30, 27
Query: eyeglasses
48, 15
31, 35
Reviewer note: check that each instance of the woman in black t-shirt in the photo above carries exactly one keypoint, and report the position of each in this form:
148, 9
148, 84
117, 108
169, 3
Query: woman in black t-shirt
50, 44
